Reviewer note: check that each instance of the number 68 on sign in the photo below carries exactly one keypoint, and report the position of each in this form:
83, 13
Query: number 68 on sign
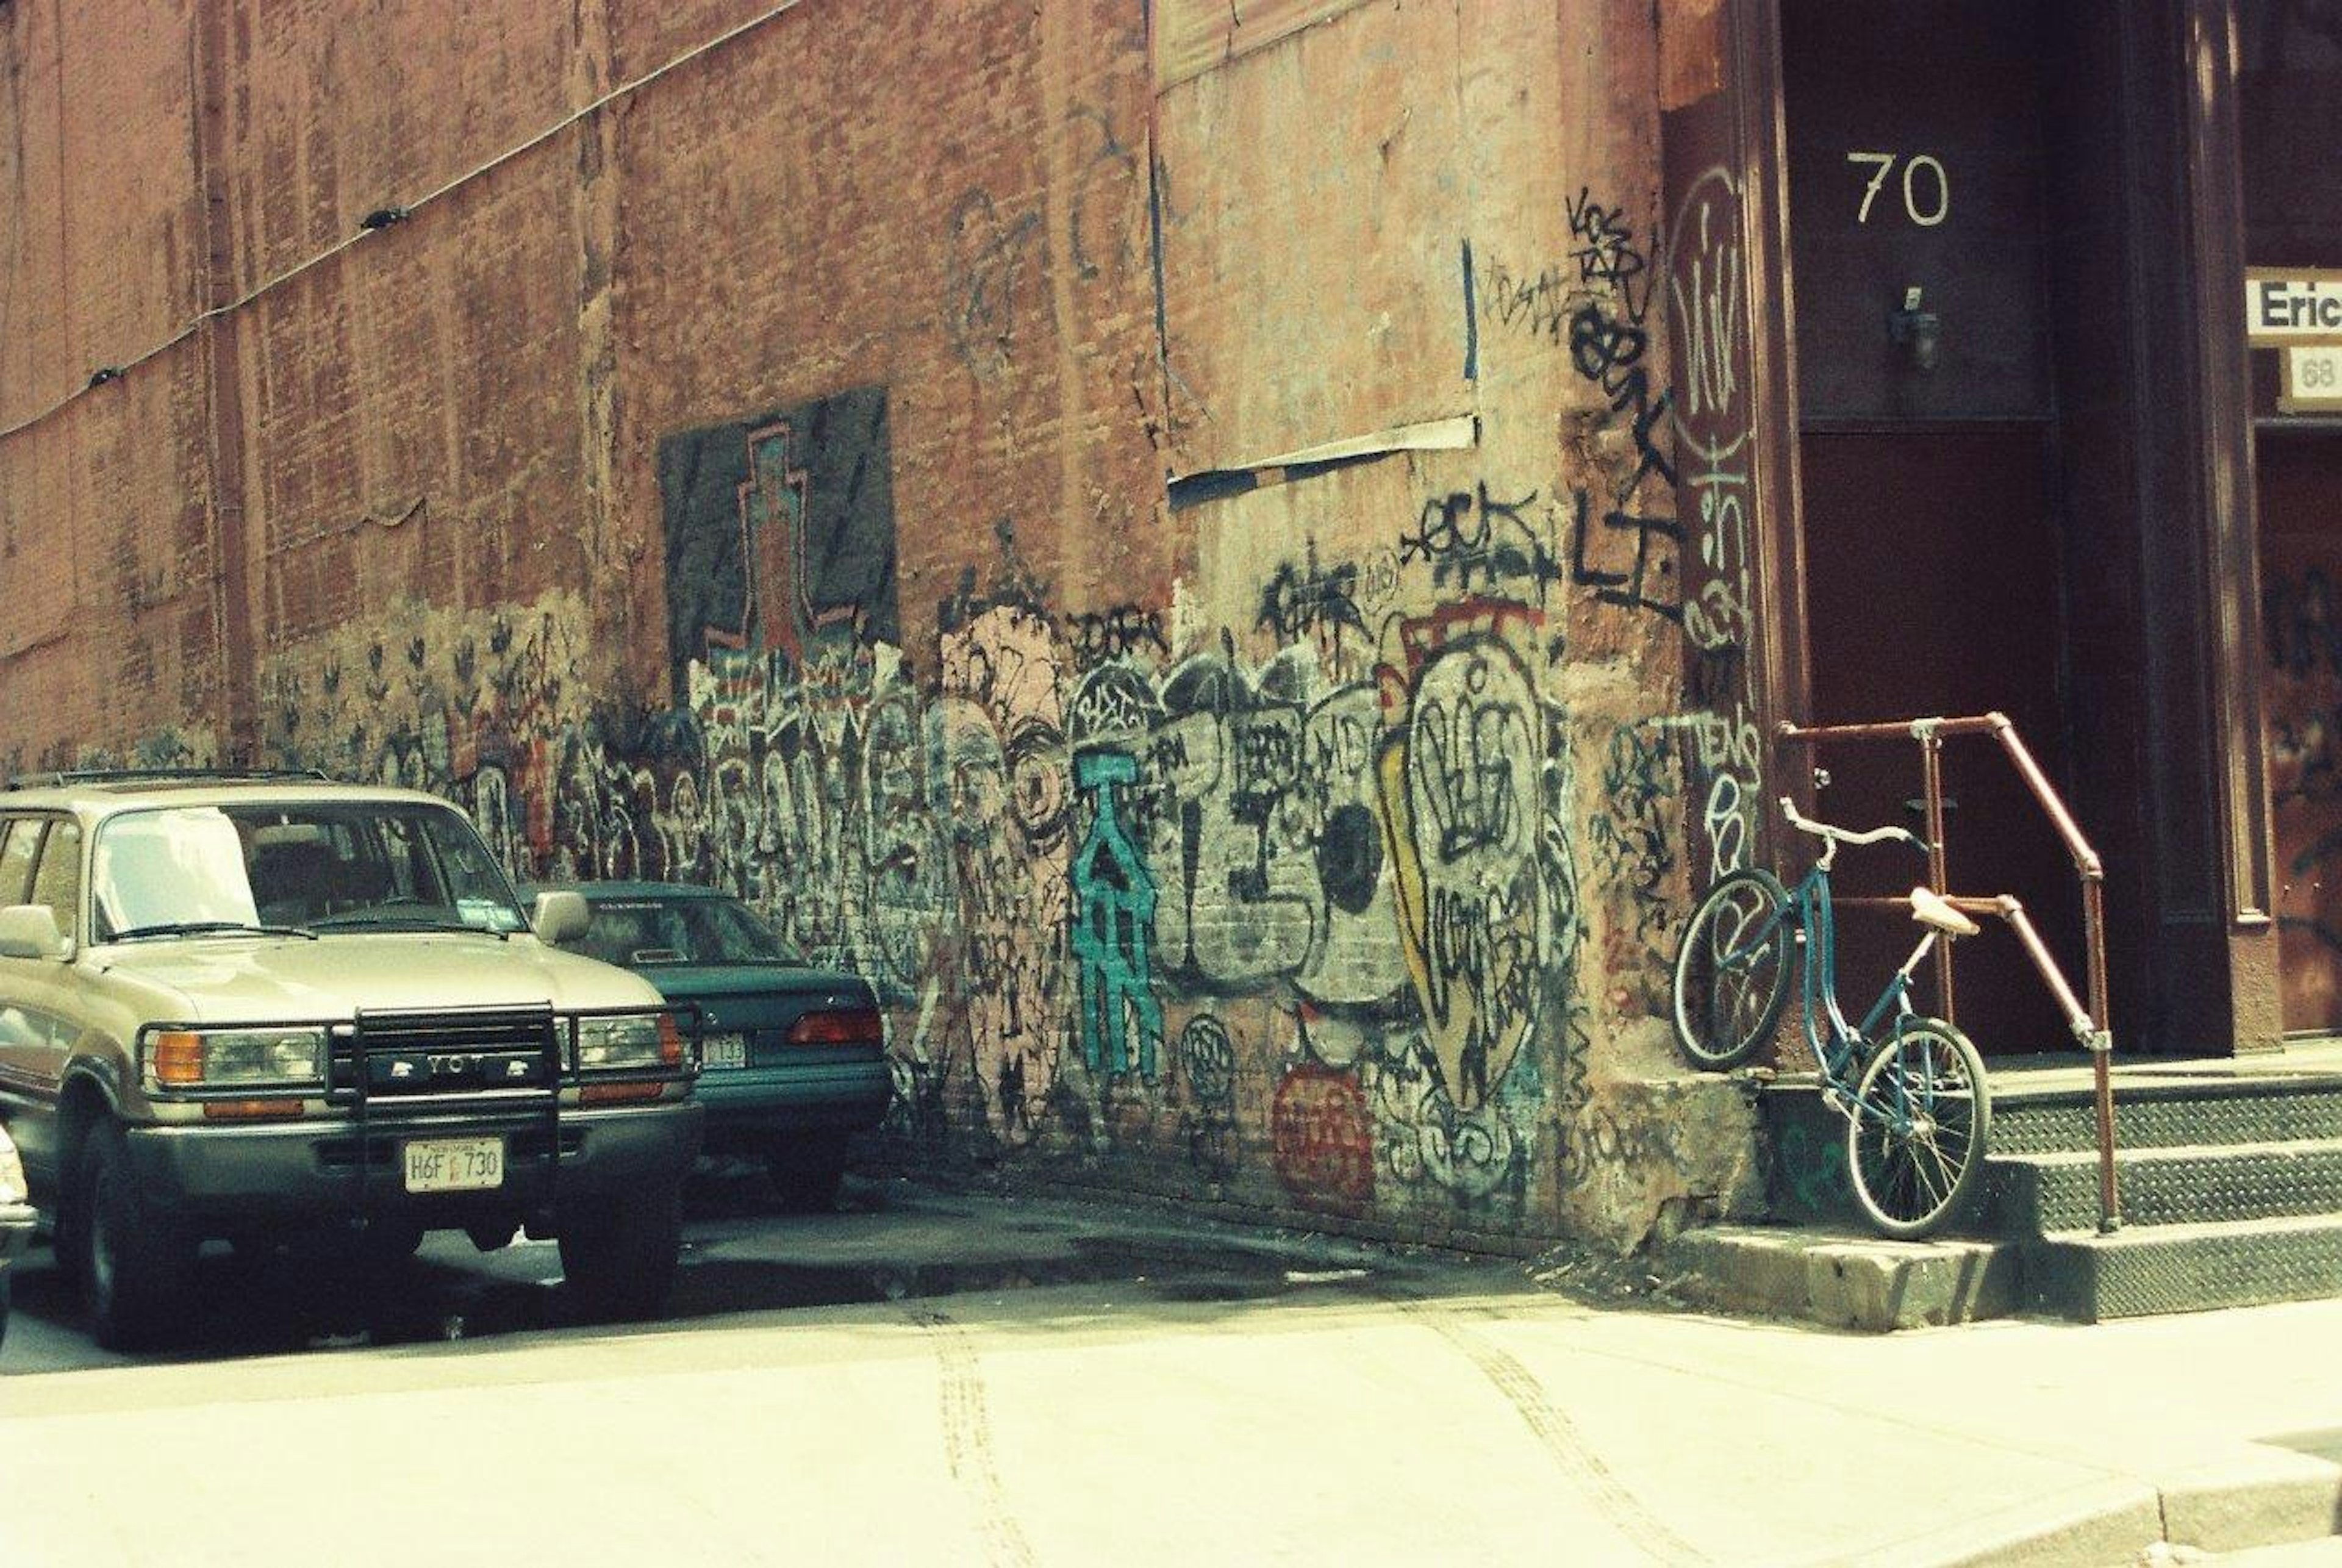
2312, 378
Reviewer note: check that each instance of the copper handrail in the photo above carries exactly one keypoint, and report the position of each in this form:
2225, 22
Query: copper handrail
2088, 1024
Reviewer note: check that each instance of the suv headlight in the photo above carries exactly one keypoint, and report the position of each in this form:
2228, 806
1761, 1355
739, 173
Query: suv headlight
13, 1186
631, 1040
234, 1058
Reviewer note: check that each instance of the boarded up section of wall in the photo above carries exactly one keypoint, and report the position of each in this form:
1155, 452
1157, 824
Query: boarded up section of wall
1313, 287
1192, 37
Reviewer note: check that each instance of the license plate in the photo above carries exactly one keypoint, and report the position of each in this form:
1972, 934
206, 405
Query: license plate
454, 1164
724, 1051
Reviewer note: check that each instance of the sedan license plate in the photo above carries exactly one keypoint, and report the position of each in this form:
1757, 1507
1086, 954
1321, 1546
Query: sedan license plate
724, 1051
454, 1164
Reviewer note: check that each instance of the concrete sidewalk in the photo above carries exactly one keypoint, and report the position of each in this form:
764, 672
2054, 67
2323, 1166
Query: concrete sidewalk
1337, 1403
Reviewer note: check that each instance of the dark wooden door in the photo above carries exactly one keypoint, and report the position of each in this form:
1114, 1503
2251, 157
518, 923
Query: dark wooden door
2301, 618
1918, 164
1932, 588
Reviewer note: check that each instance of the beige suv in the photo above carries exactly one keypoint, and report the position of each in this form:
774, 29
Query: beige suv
255, 1007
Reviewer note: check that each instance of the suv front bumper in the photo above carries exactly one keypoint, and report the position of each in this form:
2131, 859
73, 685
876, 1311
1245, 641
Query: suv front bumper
286, 1171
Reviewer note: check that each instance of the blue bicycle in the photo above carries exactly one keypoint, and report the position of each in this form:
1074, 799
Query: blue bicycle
1912, 1088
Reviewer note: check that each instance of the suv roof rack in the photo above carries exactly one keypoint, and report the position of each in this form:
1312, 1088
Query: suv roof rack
161, 776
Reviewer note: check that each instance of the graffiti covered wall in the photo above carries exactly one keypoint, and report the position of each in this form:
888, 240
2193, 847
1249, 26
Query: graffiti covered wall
1303, 905
1249, 655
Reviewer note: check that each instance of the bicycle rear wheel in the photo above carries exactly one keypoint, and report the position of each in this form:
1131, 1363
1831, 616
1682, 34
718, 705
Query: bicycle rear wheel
1732, 971
1917, 1132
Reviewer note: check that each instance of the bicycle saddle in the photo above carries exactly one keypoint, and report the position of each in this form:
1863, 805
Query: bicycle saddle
1929, 909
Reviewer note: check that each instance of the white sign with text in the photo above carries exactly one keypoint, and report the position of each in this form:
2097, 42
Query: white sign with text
2292, 306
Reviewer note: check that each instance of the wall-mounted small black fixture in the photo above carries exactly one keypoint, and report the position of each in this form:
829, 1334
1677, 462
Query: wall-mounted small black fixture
1919, 333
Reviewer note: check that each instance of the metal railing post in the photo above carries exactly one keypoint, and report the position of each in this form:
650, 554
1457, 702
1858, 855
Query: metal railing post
1931, 771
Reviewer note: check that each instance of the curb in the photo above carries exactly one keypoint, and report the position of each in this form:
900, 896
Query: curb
2259, 1496
2256, 1496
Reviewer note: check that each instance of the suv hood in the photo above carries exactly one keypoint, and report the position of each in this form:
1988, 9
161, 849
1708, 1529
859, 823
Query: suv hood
294, 980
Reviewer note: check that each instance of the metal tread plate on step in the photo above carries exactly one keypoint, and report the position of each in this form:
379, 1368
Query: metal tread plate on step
2260, 1112
2150, 1269
2037, 1193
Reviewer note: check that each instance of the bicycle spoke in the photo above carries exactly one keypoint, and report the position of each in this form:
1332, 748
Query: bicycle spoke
1920, 1113
1904, 1177
1732, 973
1920, 1155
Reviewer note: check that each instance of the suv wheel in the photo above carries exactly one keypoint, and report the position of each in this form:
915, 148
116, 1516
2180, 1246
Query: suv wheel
134, 1262
620, 1260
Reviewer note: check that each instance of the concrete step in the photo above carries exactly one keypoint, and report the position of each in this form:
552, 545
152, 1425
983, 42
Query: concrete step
2148, 1269
2034, 1195
1807, 1176
1840, 1277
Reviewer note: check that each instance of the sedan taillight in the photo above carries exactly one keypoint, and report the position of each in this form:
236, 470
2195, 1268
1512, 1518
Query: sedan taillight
858, 1027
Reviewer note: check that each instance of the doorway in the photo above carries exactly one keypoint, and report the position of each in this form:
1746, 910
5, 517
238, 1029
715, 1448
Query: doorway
2291, 59
1934, 546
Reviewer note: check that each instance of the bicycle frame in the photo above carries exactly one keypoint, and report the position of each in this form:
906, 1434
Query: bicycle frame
1814, 928
1912, 1087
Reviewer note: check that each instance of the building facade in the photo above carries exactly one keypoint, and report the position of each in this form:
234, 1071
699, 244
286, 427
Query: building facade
1242, 561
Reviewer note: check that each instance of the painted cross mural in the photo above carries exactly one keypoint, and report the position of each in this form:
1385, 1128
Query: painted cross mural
780, 536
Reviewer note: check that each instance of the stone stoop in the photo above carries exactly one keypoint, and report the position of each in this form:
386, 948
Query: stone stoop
2230, 1185
1839, 1277
2230, 1192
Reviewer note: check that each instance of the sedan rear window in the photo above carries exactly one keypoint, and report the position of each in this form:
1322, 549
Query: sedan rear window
651, 930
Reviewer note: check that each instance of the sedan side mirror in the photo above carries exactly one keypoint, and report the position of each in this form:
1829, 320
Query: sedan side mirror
560, 917
30, 930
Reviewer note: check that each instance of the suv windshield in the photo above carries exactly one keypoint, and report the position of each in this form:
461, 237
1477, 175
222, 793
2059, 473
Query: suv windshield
345, 864
645, 931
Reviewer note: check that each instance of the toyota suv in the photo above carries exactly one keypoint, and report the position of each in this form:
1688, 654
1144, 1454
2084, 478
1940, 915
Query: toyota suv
252, 1007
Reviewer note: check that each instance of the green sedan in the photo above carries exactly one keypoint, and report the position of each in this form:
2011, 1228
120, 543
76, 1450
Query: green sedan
792, 1058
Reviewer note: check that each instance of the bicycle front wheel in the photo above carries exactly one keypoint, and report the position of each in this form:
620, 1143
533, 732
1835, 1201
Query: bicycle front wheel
1917, 1132
1732, 971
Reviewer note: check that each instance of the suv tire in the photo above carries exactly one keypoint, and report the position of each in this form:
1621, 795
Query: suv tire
136, 1263
620, 1260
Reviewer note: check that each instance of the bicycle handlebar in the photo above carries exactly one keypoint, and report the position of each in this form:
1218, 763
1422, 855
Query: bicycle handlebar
1847, 835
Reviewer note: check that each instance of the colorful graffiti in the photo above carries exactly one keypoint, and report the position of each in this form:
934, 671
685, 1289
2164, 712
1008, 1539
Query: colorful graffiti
1324, 1140
1296, 898
1114, 922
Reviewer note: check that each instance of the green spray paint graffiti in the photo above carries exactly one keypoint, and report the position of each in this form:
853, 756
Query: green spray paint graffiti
1115, 897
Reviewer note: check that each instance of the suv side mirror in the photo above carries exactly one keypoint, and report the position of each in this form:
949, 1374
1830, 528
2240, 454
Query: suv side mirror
30, 930
559, 917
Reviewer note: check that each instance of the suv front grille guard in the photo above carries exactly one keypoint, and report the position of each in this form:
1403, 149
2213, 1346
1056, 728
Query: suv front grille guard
396, 1070
512, 1060
505, 1059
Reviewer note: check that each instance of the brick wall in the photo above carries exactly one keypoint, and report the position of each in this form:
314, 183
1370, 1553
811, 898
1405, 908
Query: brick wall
1138, 527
